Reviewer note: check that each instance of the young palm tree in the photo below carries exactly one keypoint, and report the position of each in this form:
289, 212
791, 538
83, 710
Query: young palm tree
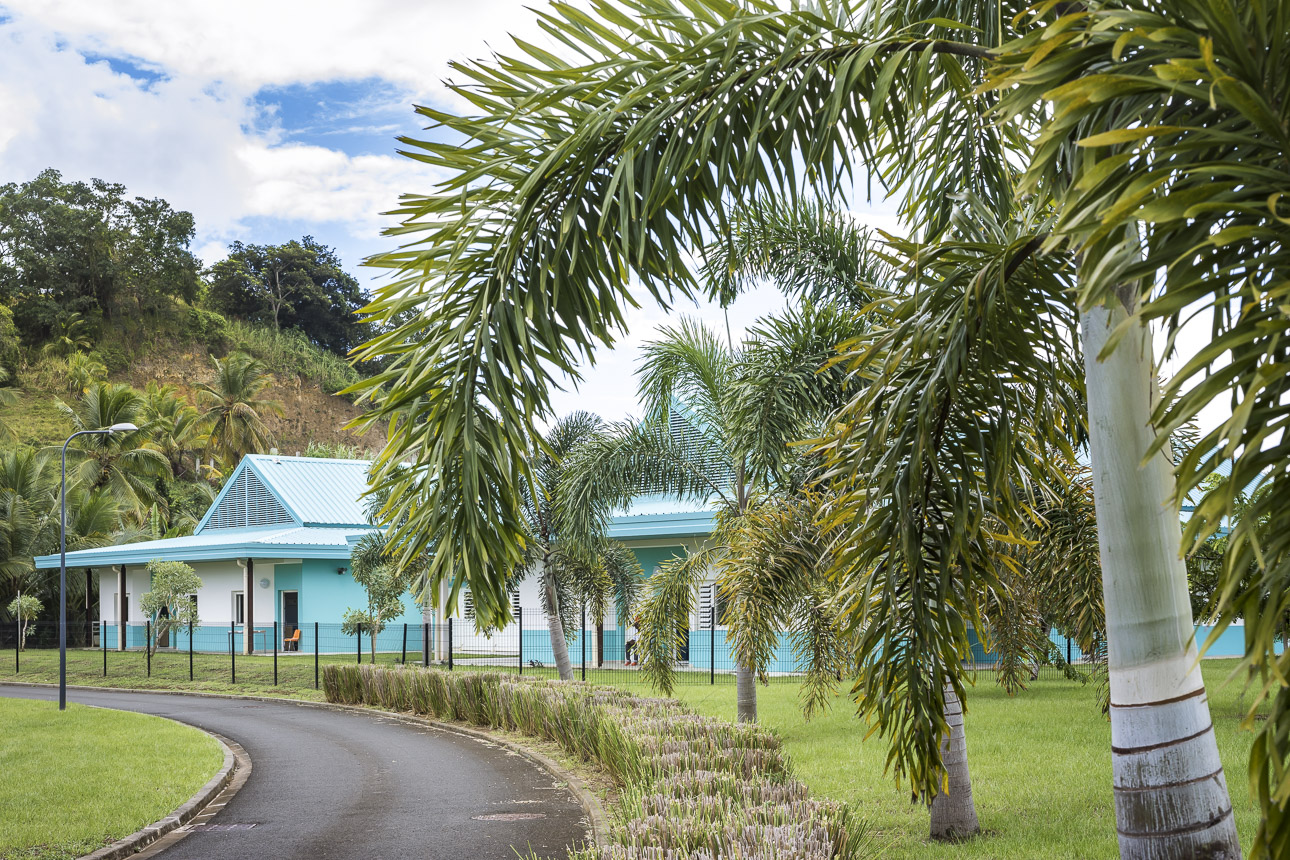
233, 411
587, 181
119, 462
591, 572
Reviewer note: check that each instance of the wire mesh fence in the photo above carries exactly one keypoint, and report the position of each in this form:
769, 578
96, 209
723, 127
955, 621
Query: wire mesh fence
291, 656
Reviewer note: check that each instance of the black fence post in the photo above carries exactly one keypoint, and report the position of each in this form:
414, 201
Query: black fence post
358, 638
425, 643
17, 639
449, 644
582, 638
103, 642
275, 652
403, 659
519, 626
1068, 650
232, 657
190, 650
147, 643
315, 655
712, 640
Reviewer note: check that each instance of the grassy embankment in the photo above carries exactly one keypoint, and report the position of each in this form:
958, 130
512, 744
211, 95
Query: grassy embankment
76, 781
1041, 763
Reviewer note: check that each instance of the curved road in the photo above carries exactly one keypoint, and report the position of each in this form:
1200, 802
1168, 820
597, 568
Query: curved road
342, 784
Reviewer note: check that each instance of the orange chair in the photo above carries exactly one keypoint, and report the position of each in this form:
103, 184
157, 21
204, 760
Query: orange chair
292, 643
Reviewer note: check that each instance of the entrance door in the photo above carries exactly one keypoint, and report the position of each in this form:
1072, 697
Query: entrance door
163, 641
683, 654
290, 613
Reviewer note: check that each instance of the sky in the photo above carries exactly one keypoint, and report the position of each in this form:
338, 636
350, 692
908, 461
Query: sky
270, 121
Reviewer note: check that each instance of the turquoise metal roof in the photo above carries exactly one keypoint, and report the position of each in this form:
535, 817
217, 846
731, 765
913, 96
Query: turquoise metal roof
310, 491
655, 516
219, 544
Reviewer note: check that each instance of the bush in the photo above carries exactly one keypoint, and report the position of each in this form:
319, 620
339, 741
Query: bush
693, 788
207, 327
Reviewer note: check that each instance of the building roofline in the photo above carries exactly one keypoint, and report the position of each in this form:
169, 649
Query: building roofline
240, 543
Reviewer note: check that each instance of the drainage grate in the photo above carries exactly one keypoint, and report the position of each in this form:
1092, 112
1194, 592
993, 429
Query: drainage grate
222, 828
509, 816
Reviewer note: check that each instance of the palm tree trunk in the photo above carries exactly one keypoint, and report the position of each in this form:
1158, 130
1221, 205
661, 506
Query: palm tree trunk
559, 646
1171, 797
745, 693
953, 811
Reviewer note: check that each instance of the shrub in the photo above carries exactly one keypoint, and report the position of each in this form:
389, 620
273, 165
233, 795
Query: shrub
693, 787
291, 352
207, 327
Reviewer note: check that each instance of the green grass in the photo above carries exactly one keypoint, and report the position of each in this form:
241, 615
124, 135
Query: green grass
1041, 762
79, 780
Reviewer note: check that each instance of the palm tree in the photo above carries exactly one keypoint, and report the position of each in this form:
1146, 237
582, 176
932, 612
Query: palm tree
586, 182
233, 412
120, 462
718, 429
175, 425
591, 573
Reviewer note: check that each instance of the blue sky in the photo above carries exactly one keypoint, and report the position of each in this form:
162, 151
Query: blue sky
269, 121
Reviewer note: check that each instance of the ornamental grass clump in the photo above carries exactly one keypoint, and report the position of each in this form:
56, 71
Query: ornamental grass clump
692, 787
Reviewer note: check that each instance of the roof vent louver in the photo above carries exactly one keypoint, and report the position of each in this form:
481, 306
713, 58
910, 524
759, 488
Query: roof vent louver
248, 503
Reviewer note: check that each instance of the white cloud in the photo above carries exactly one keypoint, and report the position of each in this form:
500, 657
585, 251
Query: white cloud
247, 44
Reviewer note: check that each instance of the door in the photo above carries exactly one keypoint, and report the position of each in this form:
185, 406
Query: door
290, 613
163, 641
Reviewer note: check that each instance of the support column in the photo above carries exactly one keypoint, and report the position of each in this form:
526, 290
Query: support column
248, 602
121, 603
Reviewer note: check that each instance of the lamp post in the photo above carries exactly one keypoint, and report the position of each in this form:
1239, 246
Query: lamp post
124, 427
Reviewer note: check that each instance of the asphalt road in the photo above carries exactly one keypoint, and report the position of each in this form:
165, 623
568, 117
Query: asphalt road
343, 784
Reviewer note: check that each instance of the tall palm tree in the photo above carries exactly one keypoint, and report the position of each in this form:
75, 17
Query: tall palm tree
719, 427
233, 411
586, 181
592, 573
120, 462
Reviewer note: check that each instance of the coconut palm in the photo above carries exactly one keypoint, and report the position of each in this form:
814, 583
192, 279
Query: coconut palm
174, 423
120, 462
233, 410
585, 181
718, 429
591, 572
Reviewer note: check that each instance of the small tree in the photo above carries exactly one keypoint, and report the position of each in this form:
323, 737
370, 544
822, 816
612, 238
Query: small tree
385, 581
25, 609
167, 603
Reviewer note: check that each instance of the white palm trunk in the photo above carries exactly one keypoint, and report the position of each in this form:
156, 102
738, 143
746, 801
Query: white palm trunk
953, 811
1171, 799
559, 645
745, 693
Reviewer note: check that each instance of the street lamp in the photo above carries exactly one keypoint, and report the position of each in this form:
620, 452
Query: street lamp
124, 427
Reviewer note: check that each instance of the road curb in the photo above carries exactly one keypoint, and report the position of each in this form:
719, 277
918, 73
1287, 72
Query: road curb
598, 821
234, 757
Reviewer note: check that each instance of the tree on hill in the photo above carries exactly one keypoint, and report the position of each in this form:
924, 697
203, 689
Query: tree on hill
78, 247
232, 416
299, 284
122, 463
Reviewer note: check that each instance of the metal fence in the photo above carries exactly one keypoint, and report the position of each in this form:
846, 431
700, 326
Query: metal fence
292, 655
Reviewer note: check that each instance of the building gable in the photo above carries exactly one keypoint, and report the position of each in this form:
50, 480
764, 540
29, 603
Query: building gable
246, 502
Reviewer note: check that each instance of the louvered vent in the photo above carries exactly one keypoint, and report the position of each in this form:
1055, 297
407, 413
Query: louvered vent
696, 449
248, 503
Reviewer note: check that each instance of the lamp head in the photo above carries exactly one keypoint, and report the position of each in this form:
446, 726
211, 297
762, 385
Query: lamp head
123, 427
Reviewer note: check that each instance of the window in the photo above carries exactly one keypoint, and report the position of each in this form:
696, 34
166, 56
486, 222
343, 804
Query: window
468, 605
711, 599
239, 608
515, 603
192, 598
124, 608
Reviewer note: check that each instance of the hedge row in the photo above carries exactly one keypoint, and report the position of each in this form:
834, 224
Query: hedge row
692, 787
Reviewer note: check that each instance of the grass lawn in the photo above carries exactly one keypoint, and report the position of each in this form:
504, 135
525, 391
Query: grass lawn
1041, 767
1041, 761
76, 781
